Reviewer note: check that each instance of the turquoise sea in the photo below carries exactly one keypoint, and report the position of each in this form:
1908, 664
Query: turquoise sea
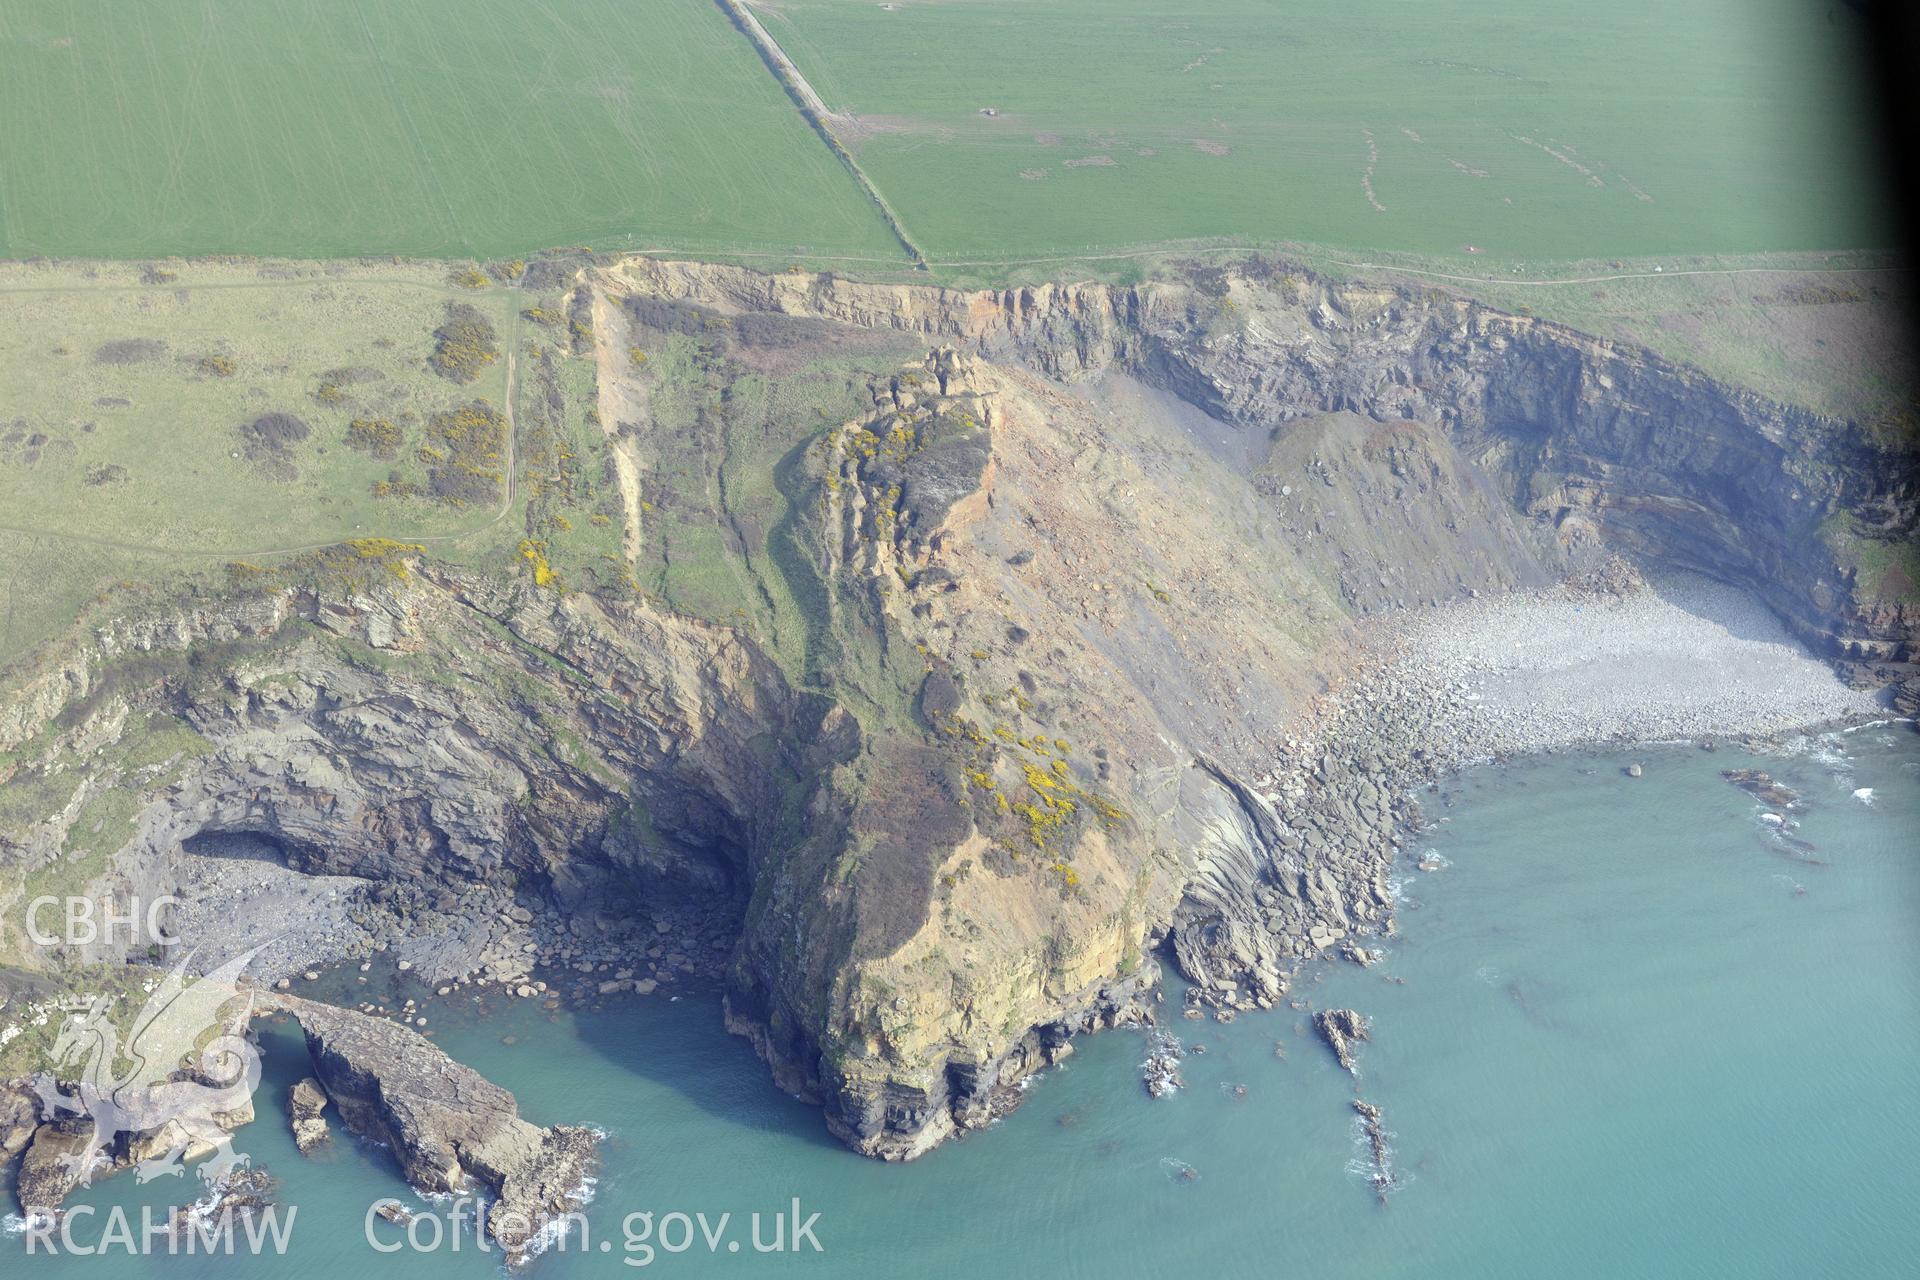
1637, 1036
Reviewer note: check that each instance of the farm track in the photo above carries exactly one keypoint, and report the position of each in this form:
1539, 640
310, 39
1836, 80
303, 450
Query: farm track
814, 109
260, 553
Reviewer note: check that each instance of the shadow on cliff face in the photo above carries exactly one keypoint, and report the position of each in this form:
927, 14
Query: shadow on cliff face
240, 846
1734, 611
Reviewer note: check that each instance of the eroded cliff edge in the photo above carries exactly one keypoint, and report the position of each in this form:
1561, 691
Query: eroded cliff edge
1045, 623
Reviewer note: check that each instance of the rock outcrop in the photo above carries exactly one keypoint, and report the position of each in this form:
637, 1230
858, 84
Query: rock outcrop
305, 1104
1160, 1073
183, 1117
1761, 785
19, 1117
450, 1129
241, 1191
1380, 1175
1342, 1029
51, 1167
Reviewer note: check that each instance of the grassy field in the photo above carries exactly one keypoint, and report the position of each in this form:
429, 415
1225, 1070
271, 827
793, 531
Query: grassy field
133, 472
1540, 129
1530, 130
132, 399
127, 411
453, 128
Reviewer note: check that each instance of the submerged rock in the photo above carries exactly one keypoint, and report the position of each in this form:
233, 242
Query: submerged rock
242, 1190
1760, 785
1365, 957
1381, 1177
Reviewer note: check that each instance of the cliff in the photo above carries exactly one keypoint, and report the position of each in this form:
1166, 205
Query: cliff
1661, 457
984, 712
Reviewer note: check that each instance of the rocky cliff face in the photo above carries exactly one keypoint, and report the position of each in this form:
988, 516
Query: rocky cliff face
1071, 585
451, 732
1659, 456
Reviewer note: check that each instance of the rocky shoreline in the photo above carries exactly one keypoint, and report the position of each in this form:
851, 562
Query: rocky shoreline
1609, 659
450, 1129
483, 937
1606, 660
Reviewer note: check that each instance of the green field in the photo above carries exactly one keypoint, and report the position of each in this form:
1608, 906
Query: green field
125, 408
451, 128
134, 471
132, 400
1651, 188
1530, 129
